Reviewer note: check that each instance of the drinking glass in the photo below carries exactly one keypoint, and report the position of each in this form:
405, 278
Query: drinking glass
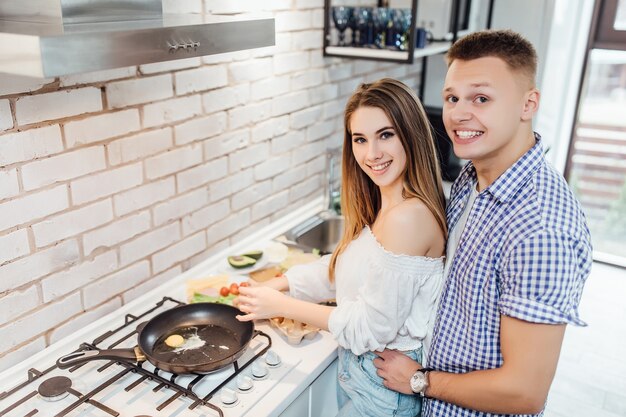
365, 26
402, 26
340, 17
353, 24
381, 18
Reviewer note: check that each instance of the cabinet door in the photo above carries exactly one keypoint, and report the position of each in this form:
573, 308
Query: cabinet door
300, 407
324, 393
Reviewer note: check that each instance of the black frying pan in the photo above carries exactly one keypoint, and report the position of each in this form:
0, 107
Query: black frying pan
214, 338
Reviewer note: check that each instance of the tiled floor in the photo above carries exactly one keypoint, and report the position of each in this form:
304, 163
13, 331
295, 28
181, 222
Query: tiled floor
591, 377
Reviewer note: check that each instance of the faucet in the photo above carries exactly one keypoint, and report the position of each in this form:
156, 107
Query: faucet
333, 195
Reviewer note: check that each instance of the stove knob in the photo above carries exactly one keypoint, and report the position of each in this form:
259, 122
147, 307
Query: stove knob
272, 358
228, 396
244, 382
259, 369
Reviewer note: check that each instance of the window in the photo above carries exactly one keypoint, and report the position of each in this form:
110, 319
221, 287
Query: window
596, 168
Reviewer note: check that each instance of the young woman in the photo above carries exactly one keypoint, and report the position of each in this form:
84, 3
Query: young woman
387, 271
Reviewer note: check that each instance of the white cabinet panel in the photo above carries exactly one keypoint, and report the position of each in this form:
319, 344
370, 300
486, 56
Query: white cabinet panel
324, 393
300, 407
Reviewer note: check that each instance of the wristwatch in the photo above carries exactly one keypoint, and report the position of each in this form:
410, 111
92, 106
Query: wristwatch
419, 381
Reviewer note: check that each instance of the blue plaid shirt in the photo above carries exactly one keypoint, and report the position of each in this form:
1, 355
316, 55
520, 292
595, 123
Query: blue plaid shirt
525, 252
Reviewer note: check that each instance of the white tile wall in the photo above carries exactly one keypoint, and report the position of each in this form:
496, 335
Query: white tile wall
114, 181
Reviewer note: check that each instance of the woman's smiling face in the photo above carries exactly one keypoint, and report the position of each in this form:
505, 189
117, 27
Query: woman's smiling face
376, 147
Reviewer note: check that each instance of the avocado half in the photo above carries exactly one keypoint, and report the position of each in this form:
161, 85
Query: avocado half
241, 261
254, 254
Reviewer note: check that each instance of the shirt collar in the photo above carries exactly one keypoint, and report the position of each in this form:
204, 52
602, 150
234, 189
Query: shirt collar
507, 184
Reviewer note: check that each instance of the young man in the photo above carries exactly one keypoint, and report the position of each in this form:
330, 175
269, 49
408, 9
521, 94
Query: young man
518, 253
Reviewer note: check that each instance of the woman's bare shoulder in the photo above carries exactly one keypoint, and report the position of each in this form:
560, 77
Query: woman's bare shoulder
410, 228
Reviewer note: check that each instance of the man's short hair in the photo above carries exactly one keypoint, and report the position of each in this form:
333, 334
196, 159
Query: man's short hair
511, 47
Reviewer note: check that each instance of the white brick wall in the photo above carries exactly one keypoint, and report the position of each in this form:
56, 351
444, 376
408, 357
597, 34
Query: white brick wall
171, 110
14, 245
200, 175
17, 303
173, 161
108, 287
144, 196
37, 265
97, 128
200, 79
268, 129
149, 243
72, 223
78, 322
65, 282
9, 185
225, 98
139, 146
106, 183
58, 105
23, 352
6, 118
203, 218
200, 128
178, 252
30, 144
112, 234
174, 208
63, 167
269, 87
253, 70
33, 206
32, 325
98, 76
136, 91
113, 182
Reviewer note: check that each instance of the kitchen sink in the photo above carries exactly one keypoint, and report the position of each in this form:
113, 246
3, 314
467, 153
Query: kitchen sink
321, 232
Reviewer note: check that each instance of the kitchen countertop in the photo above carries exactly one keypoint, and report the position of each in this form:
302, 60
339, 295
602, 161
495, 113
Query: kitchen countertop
311, 357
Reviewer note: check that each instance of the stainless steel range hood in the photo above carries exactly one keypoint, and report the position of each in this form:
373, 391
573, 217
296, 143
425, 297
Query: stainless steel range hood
49, 38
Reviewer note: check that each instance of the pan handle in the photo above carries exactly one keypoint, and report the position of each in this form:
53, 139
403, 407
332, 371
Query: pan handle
77, 358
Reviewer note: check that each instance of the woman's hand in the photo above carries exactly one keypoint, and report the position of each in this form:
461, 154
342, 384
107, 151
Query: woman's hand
260, 302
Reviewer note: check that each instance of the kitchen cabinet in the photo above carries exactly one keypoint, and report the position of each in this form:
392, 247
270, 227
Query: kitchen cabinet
300, 407
324, 393
319, 399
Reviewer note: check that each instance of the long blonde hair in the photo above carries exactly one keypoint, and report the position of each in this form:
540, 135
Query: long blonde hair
360, 197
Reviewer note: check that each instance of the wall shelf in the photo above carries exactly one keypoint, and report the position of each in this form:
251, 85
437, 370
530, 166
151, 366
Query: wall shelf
386, 54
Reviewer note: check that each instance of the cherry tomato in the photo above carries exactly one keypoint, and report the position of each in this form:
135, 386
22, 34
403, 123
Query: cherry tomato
244, 284
224, 291
234, 288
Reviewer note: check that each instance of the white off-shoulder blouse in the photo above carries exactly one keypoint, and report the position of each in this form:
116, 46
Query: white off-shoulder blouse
384, 300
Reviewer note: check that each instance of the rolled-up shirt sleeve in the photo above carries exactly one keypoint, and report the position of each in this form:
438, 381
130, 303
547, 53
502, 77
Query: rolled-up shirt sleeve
372, 319
310, 282
543, 277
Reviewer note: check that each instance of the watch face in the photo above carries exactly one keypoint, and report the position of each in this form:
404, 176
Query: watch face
418, 382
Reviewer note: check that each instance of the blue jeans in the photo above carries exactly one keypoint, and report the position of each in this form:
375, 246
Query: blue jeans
362, 393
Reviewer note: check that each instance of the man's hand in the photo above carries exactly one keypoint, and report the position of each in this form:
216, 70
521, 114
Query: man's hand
396, 370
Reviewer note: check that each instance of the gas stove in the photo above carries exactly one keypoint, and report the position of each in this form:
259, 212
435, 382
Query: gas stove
263, 382
108, 388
